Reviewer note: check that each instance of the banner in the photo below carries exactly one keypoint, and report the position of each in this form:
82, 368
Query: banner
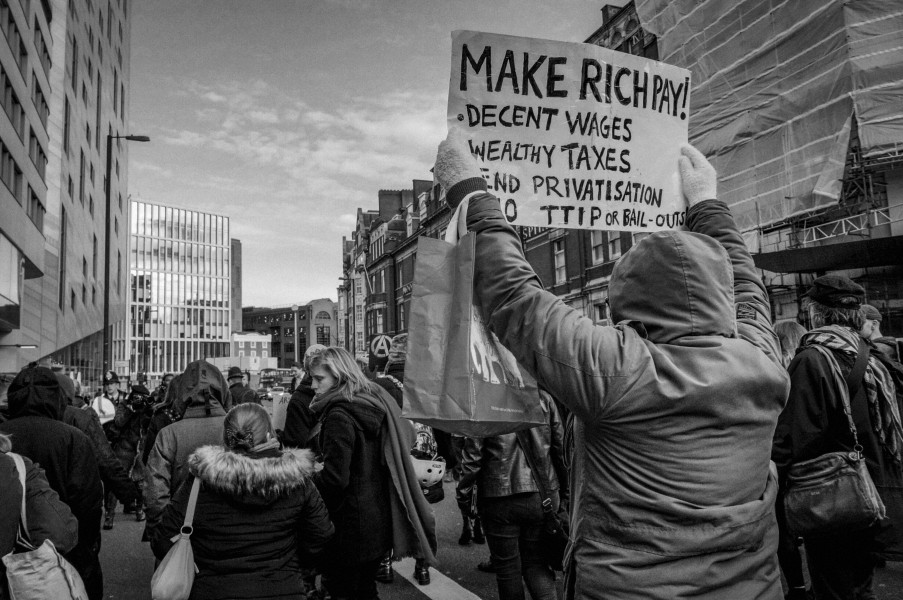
572, 135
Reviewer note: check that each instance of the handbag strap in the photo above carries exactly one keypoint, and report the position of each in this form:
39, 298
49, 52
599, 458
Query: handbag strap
539, 475
192, 502
853, 382
22, 538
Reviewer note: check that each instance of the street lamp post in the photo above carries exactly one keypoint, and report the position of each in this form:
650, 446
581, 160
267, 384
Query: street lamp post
107, 363
295, 310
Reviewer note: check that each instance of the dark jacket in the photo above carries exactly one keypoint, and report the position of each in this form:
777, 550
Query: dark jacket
163, 416
65, 454
814, 423
499, 467
49, 518
114, 476
257, 522
354, 481
299, 420
240, 394
668, 403
129, 427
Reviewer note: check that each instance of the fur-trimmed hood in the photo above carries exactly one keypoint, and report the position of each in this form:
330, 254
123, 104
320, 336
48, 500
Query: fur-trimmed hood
252, 480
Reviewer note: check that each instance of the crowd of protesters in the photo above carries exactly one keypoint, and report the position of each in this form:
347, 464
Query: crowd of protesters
661, 442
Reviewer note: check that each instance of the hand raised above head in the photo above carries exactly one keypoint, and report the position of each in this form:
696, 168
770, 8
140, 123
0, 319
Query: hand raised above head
454, 162
698, 178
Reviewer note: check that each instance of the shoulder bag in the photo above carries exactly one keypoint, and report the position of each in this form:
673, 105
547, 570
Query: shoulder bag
37, 573
834, 492
175, 575
555, 535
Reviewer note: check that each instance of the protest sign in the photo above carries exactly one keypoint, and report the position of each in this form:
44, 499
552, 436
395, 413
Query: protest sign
572, 135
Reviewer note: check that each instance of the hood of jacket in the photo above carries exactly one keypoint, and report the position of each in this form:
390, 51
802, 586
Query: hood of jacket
367, 416
677, 284
36, 392
252, 479
200, 384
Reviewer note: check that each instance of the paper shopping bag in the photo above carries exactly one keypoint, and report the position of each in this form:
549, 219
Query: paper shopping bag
458, 377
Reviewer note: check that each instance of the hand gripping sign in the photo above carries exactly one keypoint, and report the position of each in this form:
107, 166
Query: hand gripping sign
572, 135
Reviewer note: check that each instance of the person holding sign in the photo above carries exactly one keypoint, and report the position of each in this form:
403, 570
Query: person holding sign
672, 487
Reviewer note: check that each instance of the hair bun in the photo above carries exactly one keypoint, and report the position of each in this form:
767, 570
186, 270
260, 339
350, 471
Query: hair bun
240, 439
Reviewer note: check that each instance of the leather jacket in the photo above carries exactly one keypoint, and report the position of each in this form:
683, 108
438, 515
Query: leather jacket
498, 466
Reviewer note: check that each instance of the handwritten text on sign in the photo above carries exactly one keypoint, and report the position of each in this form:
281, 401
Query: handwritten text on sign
572, 135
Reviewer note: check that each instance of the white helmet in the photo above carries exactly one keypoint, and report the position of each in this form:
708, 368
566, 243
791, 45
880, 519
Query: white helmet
428, 471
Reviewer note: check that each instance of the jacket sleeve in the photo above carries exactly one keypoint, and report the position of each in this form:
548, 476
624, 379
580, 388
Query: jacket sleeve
804, 428
314, 527
49, 518
299, 422
557, 454
471, 461
338, 437
112, 472
713, 218
582, 364
158, 476
84, 490
171, 520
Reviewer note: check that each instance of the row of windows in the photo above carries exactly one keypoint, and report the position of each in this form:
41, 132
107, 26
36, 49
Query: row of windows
263, 344
170, 322
164, 255
11, 32
174, 289
179, 224
171, 356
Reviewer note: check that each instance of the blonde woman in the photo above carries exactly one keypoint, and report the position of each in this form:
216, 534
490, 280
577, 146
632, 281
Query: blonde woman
367, 482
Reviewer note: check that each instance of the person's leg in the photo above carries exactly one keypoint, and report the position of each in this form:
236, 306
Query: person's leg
502, 534
109, 510
365, 586
841, 567
789, 555
540, 579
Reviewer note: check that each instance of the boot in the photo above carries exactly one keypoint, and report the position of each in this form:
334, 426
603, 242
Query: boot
384, 572
422, 572
478, 537
139, 512
108, 519
466, 532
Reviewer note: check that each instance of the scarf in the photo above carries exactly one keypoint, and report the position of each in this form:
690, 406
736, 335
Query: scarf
413, 523
879, 387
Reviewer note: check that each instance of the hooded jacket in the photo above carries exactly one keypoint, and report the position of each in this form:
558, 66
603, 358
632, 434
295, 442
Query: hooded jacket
258, 520
354, 481
36, 408
672, 490
197, 399
48, 517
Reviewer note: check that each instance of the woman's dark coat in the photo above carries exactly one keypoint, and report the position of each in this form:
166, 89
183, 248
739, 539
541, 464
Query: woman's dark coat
354, 481
257, 522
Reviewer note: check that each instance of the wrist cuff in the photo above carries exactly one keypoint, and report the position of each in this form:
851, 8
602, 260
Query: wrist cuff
456, 194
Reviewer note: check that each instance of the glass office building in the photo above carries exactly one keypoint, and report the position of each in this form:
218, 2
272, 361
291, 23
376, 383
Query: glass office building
179, 302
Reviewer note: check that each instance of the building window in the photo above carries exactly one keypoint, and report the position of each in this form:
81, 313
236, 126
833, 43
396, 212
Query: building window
558, 256
264, 354
323, 316
241, 344
614, 245
598, 240
601, 315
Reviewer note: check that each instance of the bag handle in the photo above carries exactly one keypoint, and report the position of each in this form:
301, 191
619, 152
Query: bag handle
853, 381
539, 475
187, 528
22, 538
457, 224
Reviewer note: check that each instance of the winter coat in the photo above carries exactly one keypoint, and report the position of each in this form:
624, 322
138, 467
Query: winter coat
129, 426
67, 458
49, 518
499, 466
167, 465
814, 423
354, 482
258, 520
114, 476
163, 416
299, 420
240, 394
672, 492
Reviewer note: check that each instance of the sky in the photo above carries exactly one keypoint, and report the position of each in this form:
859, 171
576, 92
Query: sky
289, 116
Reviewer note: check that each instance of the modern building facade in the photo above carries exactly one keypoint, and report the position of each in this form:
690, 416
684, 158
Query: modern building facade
294, 328
179, 305
65, 73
